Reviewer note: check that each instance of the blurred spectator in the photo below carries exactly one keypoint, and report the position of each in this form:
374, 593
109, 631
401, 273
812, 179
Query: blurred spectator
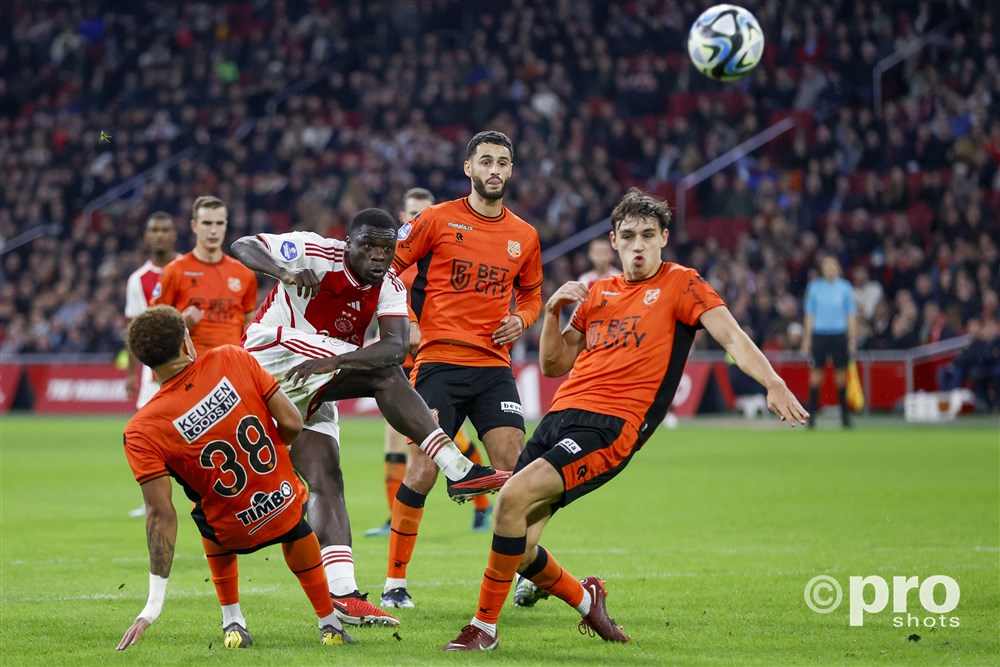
301, 114
601, 256
978, 364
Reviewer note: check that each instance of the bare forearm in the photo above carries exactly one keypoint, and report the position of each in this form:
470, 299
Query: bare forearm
752, 361
555, 355
253, 256
390, 351
161, 535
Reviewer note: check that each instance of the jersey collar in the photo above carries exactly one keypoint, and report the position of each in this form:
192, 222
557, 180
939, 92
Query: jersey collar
351, 278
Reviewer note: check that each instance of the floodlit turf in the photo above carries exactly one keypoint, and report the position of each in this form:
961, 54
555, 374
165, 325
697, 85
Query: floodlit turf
706, 541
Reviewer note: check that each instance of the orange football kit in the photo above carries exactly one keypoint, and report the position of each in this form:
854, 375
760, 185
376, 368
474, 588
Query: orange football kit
458, 254
226, 291
210, 428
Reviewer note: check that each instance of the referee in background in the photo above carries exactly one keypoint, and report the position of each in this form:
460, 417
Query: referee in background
831, 332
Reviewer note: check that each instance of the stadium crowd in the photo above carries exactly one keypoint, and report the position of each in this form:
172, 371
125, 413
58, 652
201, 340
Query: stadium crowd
300, 114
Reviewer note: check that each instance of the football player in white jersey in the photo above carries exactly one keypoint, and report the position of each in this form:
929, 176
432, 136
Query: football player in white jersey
308, 333
160, 237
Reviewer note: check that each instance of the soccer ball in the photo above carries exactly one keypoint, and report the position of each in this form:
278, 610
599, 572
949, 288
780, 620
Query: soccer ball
725, 43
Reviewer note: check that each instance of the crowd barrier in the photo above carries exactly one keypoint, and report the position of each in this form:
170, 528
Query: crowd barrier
55, 386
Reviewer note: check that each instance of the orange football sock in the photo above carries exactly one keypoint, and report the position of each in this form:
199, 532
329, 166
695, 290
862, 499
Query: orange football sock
225, 572
395, 468
505, 556
406, 514
550, 576
303, 559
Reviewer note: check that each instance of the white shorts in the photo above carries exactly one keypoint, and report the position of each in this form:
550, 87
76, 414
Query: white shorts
280, 349
148, 386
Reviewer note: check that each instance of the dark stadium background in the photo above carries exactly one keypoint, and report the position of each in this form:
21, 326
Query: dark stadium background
878, 127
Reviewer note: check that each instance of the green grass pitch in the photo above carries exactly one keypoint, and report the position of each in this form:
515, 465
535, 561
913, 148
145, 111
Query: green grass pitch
706, 541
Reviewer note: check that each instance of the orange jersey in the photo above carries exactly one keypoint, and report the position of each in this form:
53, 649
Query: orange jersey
468, 267
210, 428
226, 291
407, 277
638, 335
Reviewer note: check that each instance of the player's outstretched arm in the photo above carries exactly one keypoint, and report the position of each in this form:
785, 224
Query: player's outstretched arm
721, 325
255, 257
389, 350
559, 349
161, 535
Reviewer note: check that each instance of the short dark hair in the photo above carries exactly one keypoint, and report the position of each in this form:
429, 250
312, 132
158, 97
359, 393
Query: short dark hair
205, 201
489, 137
158, 215
418, 193
155, 336
375, 218
637, 203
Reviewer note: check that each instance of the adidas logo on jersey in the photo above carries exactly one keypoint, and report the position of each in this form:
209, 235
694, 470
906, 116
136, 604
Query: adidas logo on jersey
356, 305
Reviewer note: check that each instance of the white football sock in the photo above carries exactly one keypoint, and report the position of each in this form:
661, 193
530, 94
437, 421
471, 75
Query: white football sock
584, 606
338, 562
391, 583
446, 455
488, 628
333, 620
231, 614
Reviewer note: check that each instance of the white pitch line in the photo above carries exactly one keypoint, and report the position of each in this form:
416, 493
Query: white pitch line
182, 593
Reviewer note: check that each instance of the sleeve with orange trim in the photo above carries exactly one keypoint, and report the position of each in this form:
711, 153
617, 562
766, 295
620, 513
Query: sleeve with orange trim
413, 243
144, 458
528, 287
696, 297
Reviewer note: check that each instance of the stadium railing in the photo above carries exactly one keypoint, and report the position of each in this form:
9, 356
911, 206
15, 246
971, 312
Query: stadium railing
887, 376
729, 157
905, 51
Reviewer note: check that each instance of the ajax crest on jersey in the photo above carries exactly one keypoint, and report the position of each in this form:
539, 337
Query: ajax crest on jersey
289, 251
725, 43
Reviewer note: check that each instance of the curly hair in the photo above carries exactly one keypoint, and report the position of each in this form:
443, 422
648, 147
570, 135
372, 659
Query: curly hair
155, 336
637, 203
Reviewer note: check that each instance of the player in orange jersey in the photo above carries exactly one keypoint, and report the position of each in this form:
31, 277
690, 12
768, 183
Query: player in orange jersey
416, 200
210, 427
216, 294
626, 344
473, 257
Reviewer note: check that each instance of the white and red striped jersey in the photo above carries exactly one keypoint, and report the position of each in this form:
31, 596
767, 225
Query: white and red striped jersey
139, 289
344, 306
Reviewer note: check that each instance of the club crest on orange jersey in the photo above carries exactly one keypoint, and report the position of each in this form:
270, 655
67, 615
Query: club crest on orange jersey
235, 284
514, 248
651, 296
